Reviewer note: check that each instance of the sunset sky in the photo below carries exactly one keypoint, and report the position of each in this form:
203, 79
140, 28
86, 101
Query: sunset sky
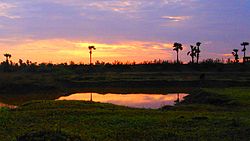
126, 30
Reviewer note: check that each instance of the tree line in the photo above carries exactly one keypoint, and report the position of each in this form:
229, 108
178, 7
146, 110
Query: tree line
195, 52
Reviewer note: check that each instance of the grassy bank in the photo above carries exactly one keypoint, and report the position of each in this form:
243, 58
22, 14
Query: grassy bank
20, 83
202, 119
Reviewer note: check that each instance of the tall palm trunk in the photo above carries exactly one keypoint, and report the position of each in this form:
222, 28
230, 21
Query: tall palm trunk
198, 55
244, 51
244, 57
90, 57
177, 57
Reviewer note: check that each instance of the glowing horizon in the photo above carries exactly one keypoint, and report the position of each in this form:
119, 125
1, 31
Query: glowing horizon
60, 51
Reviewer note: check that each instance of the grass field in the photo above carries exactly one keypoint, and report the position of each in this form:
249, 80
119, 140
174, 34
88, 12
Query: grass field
200, 119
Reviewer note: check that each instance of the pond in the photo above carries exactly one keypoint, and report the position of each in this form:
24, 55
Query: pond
145, 99
152, 101
7, 105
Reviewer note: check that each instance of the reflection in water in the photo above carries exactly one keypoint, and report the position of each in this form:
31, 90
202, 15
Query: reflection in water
153, 101
8, 106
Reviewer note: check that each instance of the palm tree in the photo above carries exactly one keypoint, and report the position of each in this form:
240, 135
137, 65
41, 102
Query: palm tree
198, 44
192, 53
236, 56
8, 56
177, 47
90, 52
244, 44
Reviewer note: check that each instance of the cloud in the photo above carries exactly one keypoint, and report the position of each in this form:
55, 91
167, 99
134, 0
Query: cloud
122, 28
176, 18
5, 10
227, 55
117, 6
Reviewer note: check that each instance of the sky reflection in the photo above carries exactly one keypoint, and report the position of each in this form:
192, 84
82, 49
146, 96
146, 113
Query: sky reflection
7, 105
152, 101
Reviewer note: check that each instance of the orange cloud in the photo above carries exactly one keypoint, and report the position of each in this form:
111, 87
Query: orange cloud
227, 55
60, 50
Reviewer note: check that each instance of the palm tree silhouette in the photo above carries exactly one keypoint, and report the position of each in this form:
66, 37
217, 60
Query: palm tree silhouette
177, 47
244, 44
90, 52
198, 44
8, 56
192, 53
236, 56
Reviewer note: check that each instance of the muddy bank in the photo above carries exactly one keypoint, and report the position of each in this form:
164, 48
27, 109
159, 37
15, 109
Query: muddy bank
203, 97
157, 84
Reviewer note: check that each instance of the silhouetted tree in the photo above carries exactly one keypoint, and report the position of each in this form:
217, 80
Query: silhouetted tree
198, 44
90, 52
192, 53
244, 44
177, 47
236, 56
8, 56
28, 62
20, 62
72, 63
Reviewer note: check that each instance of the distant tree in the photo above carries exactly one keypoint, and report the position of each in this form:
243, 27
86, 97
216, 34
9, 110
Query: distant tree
91, 48
236, 56
72, 63
99, 63
244, 44
228, 61
11, 63
28, 62
192, 53
8, 56
198, 44
177, 47
20, 62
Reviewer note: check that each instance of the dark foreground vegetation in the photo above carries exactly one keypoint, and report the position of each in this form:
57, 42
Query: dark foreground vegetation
209, 114
216, 109
30, 77
215, 65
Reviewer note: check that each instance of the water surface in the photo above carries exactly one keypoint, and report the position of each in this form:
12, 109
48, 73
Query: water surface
152, 101
7, 105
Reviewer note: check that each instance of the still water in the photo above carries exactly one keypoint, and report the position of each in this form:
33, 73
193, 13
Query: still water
7, 105
152, 101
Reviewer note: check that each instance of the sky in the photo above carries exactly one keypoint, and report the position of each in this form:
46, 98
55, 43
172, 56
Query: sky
126, 30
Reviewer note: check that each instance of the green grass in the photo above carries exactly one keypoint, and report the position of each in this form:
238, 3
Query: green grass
239, 95
98, 121
213, 114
